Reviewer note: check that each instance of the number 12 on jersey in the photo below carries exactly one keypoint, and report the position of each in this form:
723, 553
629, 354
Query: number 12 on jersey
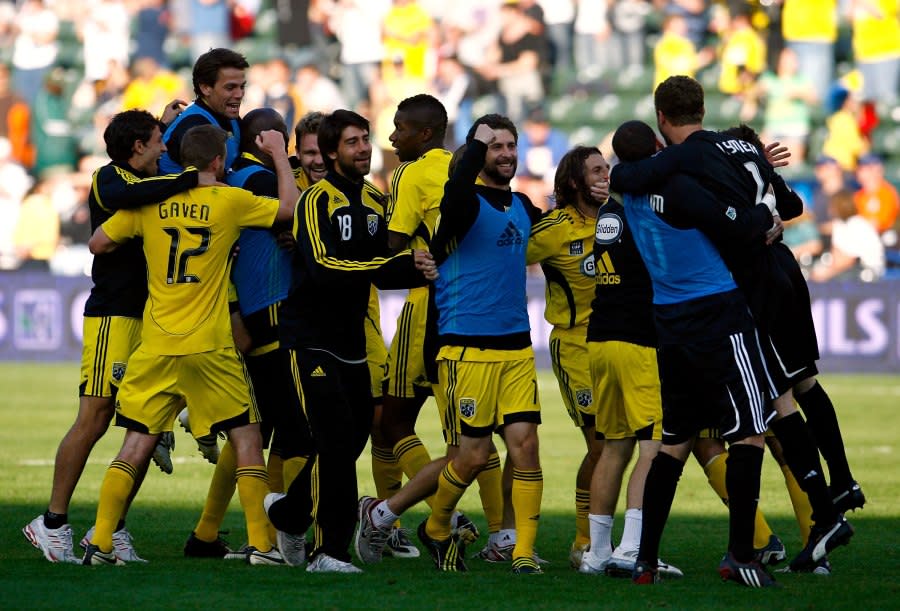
178, 274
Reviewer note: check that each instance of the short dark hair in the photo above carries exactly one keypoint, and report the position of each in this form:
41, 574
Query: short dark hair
746, 133
571, 170
331, 128
201, 144
633, 141
308, 124
207, 66
125, 128
680, 99
259, 120
494, 121
426, 111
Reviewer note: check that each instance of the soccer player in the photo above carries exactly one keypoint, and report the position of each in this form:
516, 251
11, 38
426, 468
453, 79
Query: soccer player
262, 276
341, 250
562, 243
112, 318
485, 359
308, 164
219, 82
738, 175
187, 350
710, 367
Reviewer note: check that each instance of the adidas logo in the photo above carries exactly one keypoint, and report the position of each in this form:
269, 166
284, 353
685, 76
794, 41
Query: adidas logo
511, 236
317, 373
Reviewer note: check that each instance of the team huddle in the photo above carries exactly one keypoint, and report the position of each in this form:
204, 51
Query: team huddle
235, 291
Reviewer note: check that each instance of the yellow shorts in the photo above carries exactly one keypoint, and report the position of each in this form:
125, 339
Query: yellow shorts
406, 361
109, 341
486, 394
449, 417
215, 385
626, 390
376, 351
571, 365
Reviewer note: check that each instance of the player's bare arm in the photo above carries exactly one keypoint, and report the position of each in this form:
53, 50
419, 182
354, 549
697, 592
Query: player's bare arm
272, 142
101, 243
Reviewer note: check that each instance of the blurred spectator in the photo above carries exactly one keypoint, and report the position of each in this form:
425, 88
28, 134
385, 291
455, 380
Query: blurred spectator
281, 93
629, 23
829, 180
802, 236
788, 95
152, 86
152, 22
876, 200
242, 19
696, 15
37, 230
15, 121
408, 36
856, 251
876, 47
7, 29
559, 18
844, 141
593, 45
105, 34
514, 62
536, 188
317, 91
14, 184
35, 48
674, 52
540, 146
294, 34
51, 130
453, 87
471, 28
208, 26
357, 25
810, 28
743, 54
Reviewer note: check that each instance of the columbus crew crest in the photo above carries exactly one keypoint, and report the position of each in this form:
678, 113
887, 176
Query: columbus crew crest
372, 223
584, 398
467, 407
118, 371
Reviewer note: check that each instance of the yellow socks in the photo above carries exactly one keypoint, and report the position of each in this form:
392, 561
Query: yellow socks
386, 472
114, 492
800, 502
527, 490
715, 475
582, 525
490, 489
221, 489
450, 489
253, 485
411, 455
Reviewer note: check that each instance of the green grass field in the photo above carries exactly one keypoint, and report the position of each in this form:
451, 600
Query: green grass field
40, 403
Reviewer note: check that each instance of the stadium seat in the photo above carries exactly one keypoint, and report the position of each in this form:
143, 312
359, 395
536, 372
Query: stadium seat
886, 141
635, 79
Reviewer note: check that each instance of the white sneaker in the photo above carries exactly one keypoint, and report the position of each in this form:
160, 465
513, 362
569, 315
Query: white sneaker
184, 421
271, 557
399, 545
162, 453
499, 548
369, 541
621, 564
54, 543
591, 565
575, 554
323, 563
292, 547
123, 545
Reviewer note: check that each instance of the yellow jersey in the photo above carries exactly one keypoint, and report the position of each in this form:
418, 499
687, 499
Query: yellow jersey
810, 20
563, 243
187, 241
742, 48
416, 191
674, 55
877, 37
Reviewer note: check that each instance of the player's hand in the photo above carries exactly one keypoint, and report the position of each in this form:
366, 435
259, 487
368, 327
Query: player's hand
425, 264
286, 241
600, 190
271, 141
775, 232
777, 155
172, 110
484, 133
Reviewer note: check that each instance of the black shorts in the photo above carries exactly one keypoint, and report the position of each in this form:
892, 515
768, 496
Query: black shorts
279, 403
715, 382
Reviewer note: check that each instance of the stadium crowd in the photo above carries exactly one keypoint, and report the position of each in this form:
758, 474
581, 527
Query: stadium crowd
820, 77
683, 306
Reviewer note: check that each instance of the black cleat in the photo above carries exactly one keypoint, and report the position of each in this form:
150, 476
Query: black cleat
751, 574
644, 574
196, 548
821, 541
849, 498
772, 553
448, 555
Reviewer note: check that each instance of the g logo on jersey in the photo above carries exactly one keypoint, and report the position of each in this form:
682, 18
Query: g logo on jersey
589, 266
466, 407
608, 229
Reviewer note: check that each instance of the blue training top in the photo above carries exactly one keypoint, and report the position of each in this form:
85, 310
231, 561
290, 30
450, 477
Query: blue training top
168, 166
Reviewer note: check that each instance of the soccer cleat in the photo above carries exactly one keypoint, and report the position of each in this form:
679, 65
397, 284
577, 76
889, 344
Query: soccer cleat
54, 543
241, 553
399, 545
526, 566
576, 552
208, 444
497, 549
272, 557
292, 547
448, 555
849, 498
822, 567
369, 540
821, 541
644, 574
197, 548
751, 574
94, 557
621, 564
184, 421
162, 453
123, 545
463, 528
591, 565
772, 553
323, 563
